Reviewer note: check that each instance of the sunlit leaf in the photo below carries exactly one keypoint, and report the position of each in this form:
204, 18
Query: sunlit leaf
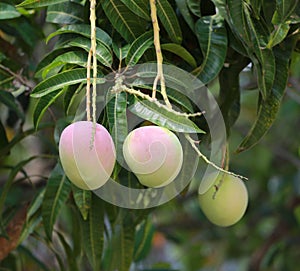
57, 192
104, 55
8, 12
162, 117
138, 48
43, 104
169, 20
59, 81
73, 57
212, 36
83, 30
117, 119
39, 3
278, 35
181, 52
65, 13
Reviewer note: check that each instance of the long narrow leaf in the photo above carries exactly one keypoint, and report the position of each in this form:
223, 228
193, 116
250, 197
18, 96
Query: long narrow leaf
139, 7
169, 20
138, 48
181, 52
268, 108
43, 104
83, 30
162, 117
93, 233
212, 36
117, 118
123, 19
39, 3
57, 192
59, 81
82, 200
65, 13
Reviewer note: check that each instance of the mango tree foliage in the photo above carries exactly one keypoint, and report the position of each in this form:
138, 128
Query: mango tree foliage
44, 47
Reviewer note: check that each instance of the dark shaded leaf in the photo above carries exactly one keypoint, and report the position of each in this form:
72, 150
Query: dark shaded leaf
269, 107
93, 233
212, 36
123, 19
139, 7
57, 192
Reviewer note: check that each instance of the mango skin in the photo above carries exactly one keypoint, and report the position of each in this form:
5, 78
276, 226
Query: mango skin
225, 202
87, 165
154, 154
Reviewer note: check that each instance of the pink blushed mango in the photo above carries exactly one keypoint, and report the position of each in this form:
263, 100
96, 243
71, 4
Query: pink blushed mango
154, 154
87, 160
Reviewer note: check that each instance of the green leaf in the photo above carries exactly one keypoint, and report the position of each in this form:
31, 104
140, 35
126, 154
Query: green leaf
59, 81
143, 240
185, 12
117, 119
121, 52
39, 3
138, 48
10, 179
262, 58
269, 107
43, 104
123, 239
284, 9
82, 200
212, 36
8, 12
83, 30
33, 216
181, 52
93, 233
278, 35
229, 97
139, 7
169, 20
123, 19
57, 192
163, 117
47, 60
73, 57
65, 13
9, 100
195, 7
104, 55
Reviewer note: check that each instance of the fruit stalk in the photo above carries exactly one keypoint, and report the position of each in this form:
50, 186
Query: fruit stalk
94, 55
159, 57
